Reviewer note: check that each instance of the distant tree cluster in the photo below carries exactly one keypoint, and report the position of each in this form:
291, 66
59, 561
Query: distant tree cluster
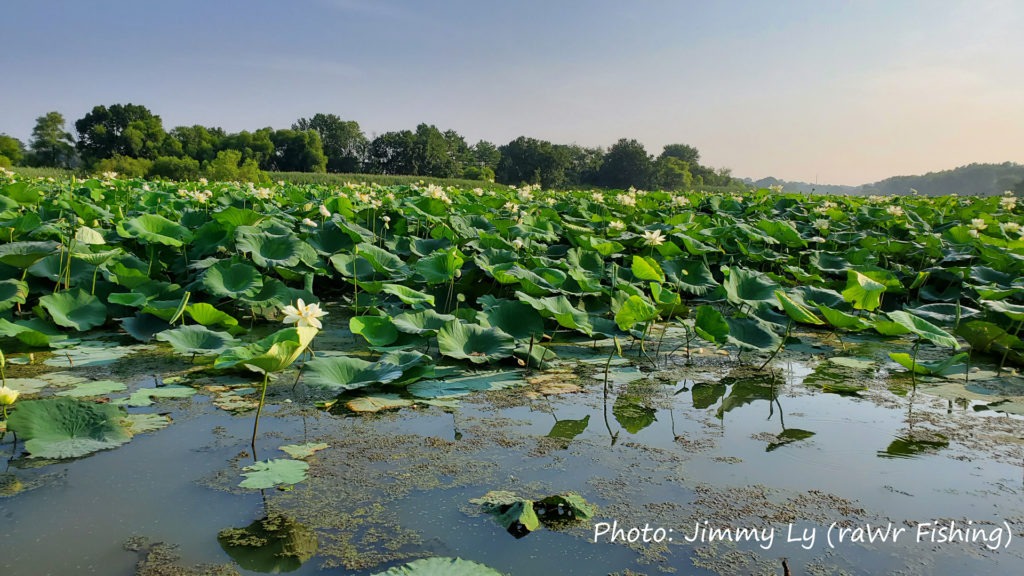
131, 140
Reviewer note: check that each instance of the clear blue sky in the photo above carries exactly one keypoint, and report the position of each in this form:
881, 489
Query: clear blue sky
838, 92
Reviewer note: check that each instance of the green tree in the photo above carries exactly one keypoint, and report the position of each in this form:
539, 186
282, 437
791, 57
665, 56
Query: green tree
393, 153
173, 168
626, 164
125, 166
123, 129
230, 166
683, 152
433, 155
531, 161
256, 146
12, 149
485, 154
198, 142
343, 142
671, 173
298, 151
52, 145
584, 165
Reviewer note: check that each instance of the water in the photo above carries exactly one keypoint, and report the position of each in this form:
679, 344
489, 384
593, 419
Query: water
711, 442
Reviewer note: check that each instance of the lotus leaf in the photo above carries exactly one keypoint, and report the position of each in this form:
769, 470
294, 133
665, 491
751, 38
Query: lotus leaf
439, 267
377, 403
268, 251
752, 335
276, 472
93, 388
75, 309
12, 292
421, 321
232, 280
862, 292
925, 329
635, 310
344, 373
24, 254
474, 342
145, 396
378, 330
271, 354
156, 228
196, 340
67, 428
710, 325
796, 311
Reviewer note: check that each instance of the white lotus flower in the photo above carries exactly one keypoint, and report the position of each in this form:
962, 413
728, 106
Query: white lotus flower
517, 243
653, 238
978, 224
8, 396
1008, 202
1011, 227
309, 222
324, 211
617, 225
303, 314
895, 210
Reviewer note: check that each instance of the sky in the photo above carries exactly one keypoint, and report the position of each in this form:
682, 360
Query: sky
817, 91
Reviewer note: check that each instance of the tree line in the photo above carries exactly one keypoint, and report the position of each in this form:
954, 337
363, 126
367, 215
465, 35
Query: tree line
131, 140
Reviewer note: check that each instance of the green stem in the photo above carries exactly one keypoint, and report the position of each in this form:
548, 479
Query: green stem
259, 410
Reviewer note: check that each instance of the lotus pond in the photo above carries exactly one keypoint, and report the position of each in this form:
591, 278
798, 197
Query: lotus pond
214, 378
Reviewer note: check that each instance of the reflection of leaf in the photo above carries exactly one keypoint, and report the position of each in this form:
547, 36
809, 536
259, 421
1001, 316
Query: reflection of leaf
270, 473
300, 451
631, 413
377, 403
441, 567
788, 436
706, 394
569, 429
746, 391
67, 428
274, 544
913, 445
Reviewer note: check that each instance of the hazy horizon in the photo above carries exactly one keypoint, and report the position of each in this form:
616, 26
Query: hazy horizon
825, 92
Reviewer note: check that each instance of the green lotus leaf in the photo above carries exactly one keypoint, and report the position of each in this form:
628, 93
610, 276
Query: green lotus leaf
274, 294
141, 423
563, 507
93, 388
12, 292
382, 261
130, 299
559, 308
516, 318
752, 335
928, 368
474, 342
863, 292
887, 327
271, 545
377, 403
782, 232
24, 254
408, 295
796, 311
155, 228
842, 320
275, 472
58, 428
646, 268
1014, 312
744, 286
145, 396
24, 193
196, 340
345, 373
87, 235
75, 309
268, 251
378, 330
143, 327
440, 267
635, 310
441, 567
209, 315
232, 280
34, 332
437, 389
421, 321
271, 354
925, 329
232, 217
710, 325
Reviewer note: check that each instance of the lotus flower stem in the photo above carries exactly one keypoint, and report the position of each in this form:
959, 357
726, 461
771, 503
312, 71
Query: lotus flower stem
259, 410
